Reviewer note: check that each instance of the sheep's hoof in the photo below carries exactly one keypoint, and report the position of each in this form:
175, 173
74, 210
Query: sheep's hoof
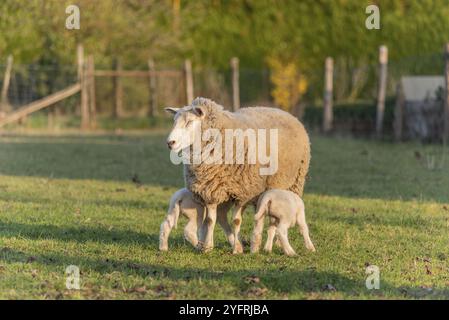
311, 248
206, 249
199, 246
163, 248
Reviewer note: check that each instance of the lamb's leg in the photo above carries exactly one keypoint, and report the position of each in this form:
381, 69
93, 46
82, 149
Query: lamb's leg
237, 221
282, 232
168, 224
191, 232
304, 229
257, 235
222, 218
209, 223
271, 232
163, 235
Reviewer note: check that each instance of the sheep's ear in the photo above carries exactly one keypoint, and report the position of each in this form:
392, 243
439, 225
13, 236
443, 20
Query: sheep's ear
199, 111
172, 110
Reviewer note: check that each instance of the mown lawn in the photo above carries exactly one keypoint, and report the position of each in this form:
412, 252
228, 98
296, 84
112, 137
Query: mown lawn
97, 202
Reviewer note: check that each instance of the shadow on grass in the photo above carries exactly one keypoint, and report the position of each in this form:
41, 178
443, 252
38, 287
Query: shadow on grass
79, 233
284, 282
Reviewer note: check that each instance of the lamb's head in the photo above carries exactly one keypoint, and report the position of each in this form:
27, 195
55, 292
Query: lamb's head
189, 122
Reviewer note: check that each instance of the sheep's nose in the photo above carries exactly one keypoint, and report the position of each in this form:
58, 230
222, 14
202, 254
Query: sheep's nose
170, 143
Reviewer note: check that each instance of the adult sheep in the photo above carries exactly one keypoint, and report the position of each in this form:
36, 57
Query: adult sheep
218, 182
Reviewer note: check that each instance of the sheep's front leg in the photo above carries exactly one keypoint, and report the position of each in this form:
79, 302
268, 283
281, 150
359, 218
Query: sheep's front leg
237, 221
257, 235
208, 227
222, 217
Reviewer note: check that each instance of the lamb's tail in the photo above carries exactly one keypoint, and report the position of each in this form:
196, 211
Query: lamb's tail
263, 207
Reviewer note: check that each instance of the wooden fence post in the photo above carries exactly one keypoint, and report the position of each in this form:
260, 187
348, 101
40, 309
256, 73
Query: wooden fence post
118, 89
398, 113
189, 80
4, 103
152, 110
235, 83
84, 98
79, 60
328, 95
446, 95
92, 100
381, 91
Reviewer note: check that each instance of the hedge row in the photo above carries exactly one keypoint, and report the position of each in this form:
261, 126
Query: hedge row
356, 118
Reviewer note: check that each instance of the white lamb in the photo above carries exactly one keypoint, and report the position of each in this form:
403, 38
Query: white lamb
183, 202
285, 209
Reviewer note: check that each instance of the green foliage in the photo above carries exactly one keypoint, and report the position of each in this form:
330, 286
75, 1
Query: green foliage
39, 121
211, 32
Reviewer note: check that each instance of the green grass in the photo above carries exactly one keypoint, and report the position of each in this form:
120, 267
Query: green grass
39, 121
70, 200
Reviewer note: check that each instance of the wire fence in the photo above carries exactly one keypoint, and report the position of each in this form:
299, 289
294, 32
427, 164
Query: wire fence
354, 83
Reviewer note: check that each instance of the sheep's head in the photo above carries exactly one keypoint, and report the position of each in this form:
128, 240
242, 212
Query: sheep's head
189, 122
186, 128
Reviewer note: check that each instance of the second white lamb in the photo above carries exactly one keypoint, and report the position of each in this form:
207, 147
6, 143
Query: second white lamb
285, 210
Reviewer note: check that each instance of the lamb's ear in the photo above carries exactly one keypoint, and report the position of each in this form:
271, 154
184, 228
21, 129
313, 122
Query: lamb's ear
172, 110
199, 111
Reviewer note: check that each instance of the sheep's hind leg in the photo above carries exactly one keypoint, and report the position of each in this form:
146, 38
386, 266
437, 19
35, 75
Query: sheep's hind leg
304, 230
282, 232
271, 232
237, 221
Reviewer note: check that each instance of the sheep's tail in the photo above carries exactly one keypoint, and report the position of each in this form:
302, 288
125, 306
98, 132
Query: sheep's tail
174, 207
263, 207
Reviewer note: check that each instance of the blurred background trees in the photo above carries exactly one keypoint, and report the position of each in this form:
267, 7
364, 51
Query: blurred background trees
210, 32
286, 41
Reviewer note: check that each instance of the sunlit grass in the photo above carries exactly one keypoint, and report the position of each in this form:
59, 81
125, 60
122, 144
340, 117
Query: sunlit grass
71, 200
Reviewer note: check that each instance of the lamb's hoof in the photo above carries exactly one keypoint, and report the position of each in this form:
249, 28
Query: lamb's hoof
266, 250
290, 253
163, 249
311, 248
238, 249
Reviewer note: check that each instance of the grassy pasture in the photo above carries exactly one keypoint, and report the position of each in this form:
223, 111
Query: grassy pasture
96, 201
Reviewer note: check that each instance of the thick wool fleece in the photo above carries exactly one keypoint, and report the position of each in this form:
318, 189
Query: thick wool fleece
217, 183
